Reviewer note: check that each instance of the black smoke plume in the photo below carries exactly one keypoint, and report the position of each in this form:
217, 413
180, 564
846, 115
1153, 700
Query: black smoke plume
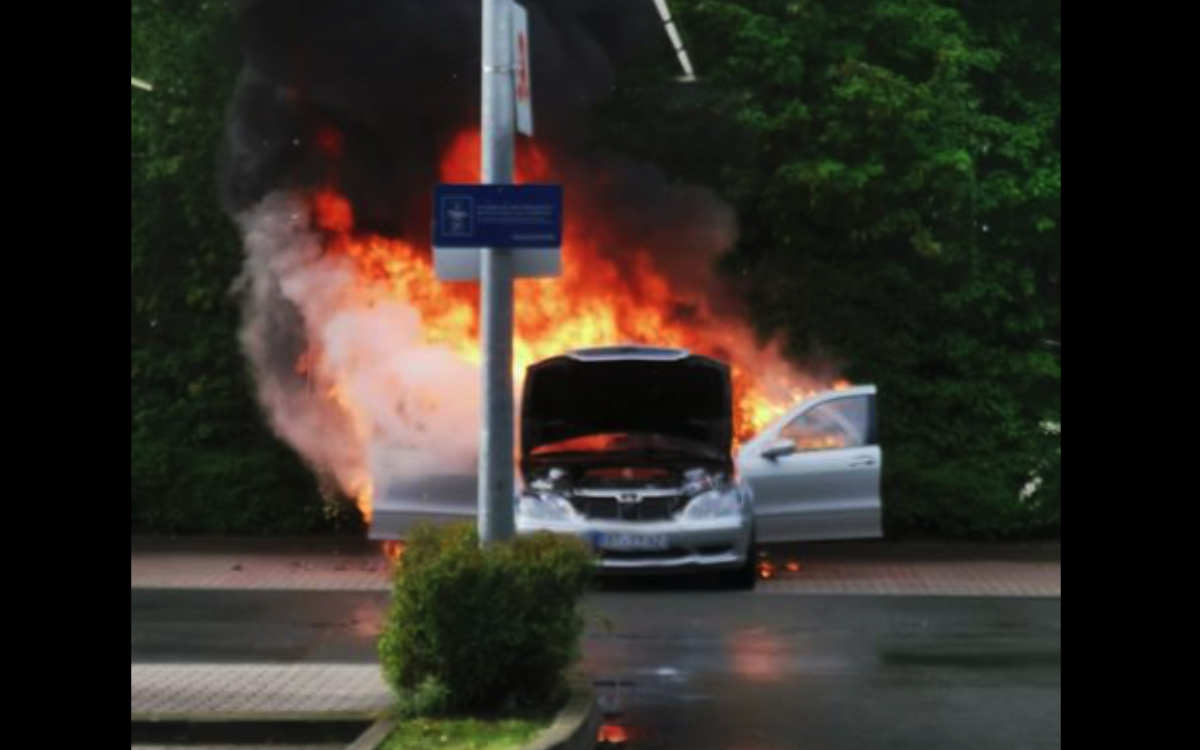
398, 79
365, 95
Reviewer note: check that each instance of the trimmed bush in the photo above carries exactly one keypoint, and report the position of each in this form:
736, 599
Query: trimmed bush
483, 629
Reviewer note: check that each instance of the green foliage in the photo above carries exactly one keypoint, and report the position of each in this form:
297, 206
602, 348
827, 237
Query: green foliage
429, 697
496, 626
202, 459
896, 170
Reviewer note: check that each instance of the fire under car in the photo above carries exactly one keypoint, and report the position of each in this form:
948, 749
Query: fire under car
630, 448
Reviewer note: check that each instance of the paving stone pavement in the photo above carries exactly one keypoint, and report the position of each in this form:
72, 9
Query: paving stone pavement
919, 578
821, 574
259, 570
163, 691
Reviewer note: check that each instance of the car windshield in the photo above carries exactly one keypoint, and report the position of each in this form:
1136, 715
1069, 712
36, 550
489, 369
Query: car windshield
624, 442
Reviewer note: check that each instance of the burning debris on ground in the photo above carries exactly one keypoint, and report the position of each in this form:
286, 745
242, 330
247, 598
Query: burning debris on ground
393, 550
345, 117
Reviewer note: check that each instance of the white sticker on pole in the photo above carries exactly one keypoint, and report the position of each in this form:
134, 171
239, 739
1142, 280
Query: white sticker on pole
522, 83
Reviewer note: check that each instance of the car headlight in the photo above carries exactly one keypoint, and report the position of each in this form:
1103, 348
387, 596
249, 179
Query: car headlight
545, 506
553, 480
713, 504
697, 481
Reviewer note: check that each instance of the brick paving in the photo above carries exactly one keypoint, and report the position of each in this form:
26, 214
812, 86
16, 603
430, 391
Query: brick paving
258, 570
879, 570
918, 578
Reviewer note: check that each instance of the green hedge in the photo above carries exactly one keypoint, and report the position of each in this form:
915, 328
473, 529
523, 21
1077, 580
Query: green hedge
483, 629
202, 459
896, 171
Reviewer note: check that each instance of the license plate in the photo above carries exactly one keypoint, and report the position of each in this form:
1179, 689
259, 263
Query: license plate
632, 541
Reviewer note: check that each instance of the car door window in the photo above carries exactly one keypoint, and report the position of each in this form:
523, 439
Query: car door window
841, 423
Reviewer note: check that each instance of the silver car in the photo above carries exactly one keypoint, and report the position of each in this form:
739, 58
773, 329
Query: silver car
630, 449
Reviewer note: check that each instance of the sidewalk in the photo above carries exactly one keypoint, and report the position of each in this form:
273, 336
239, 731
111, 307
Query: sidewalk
257, 692
867, 568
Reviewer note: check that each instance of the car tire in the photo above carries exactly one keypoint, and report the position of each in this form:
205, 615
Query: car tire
745, 577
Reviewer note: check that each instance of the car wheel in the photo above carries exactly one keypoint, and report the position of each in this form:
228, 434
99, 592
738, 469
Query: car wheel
745, 577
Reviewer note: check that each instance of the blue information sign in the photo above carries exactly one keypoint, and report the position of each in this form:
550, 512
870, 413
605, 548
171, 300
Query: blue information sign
473, 216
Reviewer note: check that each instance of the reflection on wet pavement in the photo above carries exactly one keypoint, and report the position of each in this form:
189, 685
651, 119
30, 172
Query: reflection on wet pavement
693, 667
366, 621
611, 735
757, 655
729, 671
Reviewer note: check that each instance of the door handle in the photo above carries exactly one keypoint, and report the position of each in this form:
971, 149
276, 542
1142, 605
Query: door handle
862, 462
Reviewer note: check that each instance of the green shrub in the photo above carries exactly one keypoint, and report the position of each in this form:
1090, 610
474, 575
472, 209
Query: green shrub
429, 698
483, 629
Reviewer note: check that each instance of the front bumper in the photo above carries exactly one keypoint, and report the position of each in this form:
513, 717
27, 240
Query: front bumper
709, 544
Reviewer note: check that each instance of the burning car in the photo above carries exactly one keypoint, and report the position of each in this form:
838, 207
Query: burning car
631, 448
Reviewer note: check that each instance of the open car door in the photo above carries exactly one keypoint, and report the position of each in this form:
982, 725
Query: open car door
815, 471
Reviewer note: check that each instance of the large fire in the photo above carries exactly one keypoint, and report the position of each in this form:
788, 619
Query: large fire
595, 302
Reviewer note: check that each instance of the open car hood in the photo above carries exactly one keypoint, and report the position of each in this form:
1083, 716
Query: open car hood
637, 390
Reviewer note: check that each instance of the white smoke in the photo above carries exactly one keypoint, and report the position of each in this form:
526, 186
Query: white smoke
376, 402
406, 406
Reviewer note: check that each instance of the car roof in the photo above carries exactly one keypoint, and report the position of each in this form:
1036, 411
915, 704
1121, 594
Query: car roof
852, 390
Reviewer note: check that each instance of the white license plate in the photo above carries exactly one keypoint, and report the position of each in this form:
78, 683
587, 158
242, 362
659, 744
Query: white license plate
632, 541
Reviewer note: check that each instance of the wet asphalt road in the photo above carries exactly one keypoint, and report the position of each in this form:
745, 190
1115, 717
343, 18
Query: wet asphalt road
694, 669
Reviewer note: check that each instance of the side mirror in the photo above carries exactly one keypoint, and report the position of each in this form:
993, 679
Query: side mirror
779, 448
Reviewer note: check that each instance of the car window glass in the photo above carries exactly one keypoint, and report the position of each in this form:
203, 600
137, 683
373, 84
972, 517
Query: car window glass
841, 423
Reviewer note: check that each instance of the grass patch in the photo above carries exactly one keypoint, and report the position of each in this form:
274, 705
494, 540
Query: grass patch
463, 733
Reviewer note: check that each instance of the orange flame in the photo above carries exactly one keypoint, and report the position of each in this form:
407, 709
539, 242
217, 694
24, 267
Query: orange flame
611, 734
594, 302
393, 550
766, 569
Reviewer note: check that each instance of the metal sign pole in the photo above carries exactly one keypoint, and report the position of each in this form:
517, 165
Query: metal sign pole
495, 492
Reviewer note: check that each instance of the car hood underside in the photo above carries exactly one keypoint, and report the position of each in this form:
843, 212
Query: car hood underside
689, 399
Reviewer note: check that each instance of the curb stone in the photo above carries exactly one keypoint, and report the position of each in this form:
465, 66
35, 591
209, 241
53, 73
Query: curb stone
574, 726
374, 736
